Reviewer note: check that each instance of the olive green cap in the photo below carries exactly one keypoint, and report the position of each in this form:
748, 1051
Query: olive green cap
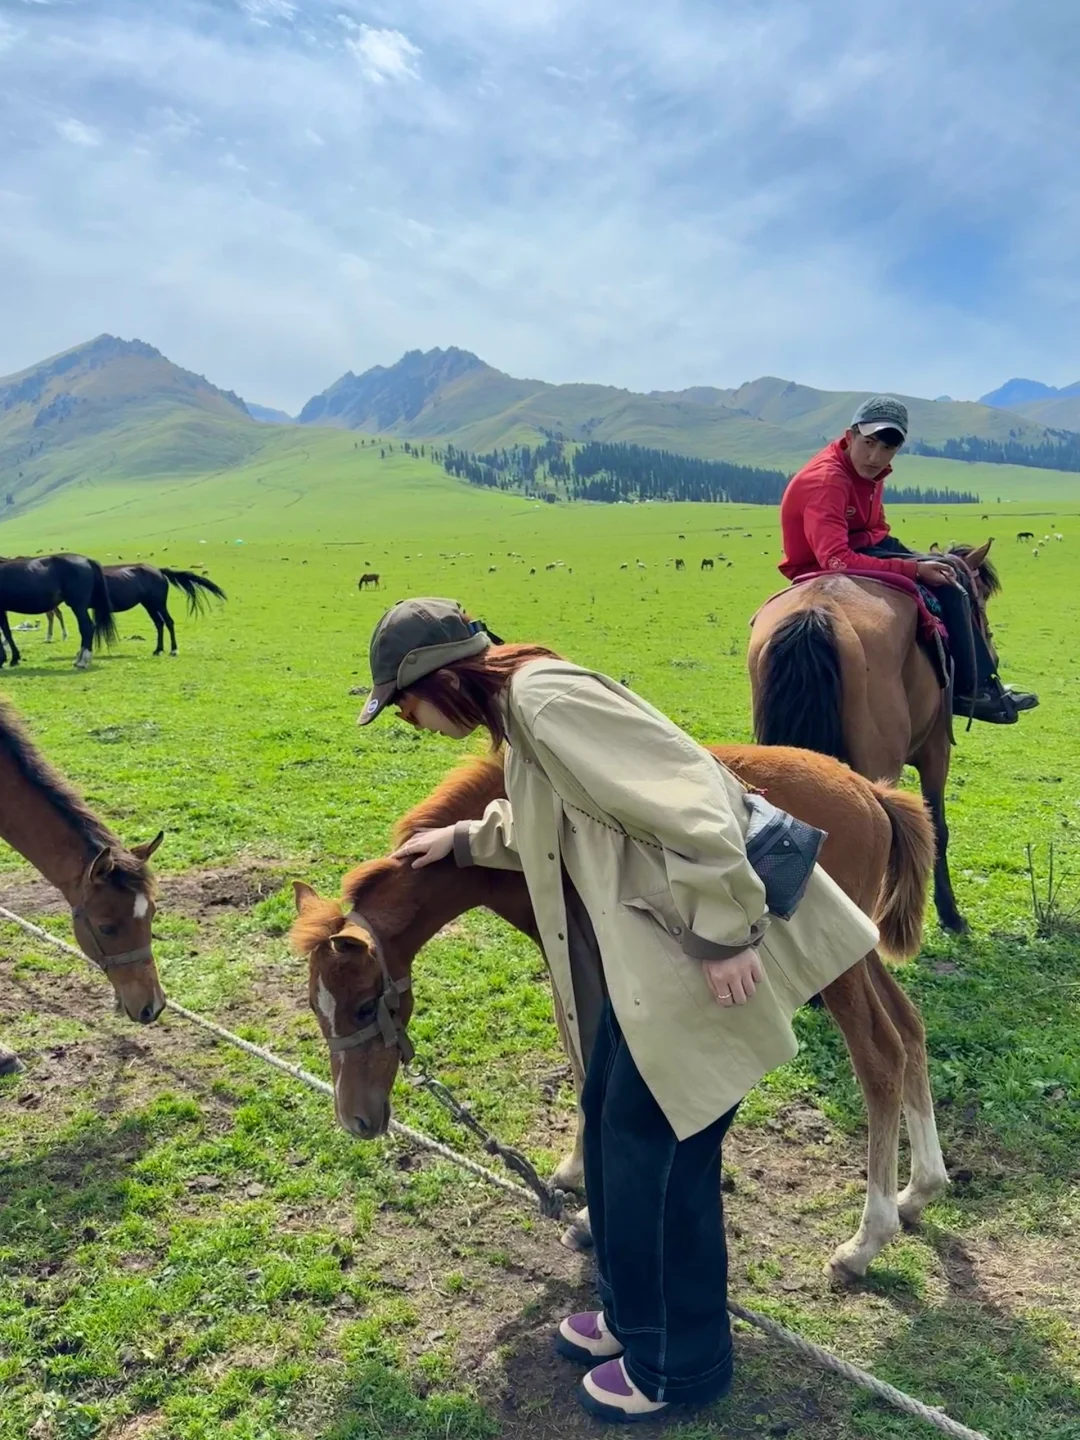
411, 640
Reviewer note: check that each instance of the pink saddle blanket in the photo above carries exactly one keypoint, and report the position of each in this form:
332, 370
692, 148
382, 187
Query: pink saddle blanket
929, 624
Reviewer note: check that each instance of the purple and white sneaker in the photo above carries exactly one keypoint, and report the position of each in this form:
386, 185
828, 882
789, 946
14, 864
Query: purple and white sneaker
608, 1393
586, 1338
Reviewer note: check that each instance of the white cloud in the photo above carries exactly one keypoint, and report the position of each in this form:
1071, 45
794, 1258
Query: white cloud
383, 54
77, 133
265, 12
695, 193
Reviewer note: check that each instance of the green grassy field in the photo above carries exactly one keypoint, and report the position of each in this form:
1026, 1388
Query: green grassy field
189, 1248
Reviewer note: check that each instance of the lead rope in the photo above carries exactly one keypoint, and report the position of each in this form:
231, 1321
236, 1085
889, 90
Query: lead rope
815, 1353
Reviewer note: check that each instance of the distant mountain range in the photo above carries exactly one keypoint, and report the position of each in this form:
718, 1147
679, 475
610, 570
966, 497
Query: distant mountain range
1045, 404
119, 409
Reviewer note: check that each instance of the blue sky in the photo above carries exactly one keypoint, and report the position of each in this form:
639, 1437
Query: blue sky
851, 193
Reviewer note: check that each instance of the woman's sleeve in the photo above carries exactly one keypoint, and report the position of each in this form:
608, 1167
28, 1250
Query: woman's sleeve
640, 770
489, 840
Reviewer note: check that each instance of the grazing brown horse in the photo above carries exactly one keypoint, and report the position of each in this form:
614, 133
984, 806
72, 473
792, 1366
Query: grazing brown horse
370, 578
836, 666
109, 887
879, 850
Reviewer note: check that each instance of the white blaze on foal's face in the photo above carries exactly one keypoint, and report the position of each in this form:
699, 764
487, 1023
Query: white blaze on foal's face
327, 1006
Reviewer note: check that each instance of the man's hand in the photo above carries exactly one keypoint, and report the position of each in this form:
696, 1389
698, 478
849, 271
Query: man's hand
733, 981
428, 846
935, 572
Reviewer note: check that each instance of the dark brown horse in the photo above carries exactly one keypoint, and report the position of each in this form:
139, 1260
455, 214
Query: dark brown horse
109, 886
146, 585
370, 578
34, 585
836, 666
879, 850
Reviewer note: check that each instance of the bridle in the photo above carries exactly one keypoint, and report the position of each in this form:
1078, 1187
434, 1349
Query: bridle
387, 1024
97, 956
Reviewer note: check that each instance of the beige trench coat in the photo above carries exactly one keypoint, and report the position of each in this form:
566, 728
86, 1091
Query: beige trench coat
651, 831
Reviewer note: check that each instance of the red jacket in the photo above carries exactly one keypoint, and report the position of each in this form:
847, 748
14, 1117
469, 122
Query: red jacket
828, 511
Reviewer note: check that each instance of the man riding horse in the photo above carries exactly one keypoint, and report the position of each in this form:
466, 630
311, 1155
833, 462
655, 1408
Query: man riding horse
832, 519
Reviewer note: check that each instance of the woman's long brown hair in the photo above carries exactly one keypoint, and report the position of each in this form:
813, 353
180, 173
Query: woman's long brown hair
481, 680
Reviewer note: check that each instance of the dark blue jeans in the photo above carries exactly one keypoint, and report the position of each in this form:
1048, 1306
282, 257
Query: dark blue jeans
658, 1226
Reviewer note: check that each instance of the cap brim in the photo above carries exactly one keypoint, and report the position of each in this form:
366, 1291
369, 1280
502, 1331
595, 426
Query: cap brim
378, 700
872, 427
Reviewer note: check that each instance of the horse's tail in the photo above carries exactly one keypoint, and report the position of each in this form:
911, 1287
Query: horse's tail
799, 697
193, 587
101, 605
902, 902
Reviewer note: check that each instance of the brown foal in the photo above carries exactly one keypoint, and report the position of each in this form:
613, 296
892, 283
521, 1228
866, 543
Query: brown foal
109, 887
879, 850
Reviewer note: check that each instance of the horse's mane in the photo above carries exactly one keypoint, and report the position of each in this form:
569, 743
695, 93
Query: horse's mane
126, 870
462, 795
987, 570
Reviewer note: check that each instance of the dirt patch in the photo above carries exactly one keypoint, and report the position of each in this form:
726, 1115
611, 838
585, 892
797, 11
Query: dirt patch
201, 895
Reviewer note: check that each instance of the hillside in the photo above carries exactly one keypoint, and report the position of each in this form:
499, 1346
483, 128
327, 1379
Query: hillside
770, 421
1058, 409
118, 408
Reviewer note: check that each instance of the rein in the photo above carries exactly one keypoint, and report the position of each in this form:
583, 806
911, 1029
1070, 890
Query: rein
387, 1024
97, 955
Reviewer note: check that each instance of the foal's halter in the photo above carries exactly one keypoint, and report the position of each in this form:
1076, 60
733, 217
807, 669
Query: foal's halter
387, 1024
97, 955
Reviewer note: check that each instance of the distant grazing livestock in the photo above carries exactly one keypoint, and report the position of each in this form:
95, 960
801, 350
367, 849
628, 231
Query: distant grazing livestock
146, 585
624, 566
371, 578
492, 569
1058, 537
641, 565
533, 571
986, 517
682, 537
550, 567
935, 548
707, 564
680, 564
1025, 535
1035, 552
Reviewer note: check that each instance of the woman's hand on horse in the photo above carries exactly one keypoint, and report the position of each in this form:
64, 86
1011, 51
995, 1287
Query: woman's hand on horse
428, 846
734, 980
935, 572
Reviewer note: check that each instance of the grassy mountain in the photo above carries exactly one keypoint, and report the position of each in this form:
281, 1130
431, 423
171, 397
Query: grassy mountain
117, 408
1058, 409
267, 415
454, 394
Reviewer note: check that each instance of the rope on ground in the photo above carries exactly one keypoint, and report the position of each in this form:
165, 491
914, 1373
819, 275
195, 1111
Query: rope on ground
930, 1413
815, 1353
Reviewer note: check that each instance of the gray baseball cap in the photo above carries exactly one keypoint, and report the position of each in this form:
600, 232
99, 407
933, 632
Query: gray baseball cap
411, 640
880, 412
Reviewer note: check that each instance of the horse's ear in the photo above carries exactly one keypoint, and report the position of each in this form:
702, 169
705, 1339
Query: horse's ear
349, 939
144, 851
99, 867
303, 895
974, 558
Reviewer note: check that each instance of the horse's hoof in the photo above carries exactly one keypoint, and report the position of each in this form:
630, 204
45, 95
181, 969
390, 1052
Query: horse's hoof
955, 924
576, 1237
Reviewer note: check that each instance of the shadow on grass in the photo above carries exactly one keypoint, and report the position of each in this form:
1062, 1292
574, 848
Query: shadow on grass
57, 1198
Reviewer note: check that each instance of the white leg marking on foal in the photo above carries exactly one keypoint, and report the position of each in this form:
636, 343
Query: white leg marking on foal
327, 1006
880, 1222
928, 1174
142, 905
